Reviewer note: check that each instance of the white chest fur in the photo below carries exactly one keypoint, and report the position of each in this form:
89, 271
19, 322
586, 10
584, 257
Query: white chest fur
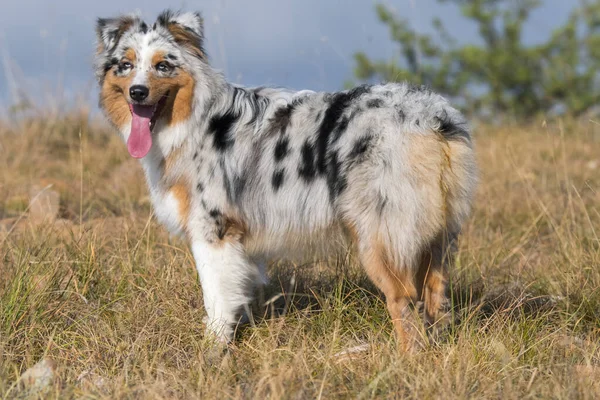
170, 203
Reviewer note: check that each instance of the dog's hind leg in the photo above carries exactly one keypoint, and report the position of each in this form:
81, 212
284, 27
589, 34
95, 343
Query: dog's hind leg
433, 272
228, 278
398, 285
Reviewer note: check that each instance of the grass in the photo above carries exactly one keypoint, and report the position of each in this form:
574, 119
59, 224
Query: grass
107, 295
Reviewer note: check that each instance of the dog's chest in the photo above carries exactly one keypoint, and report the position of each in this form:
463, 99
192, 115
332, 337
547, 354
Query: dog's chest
171, 202
170, 207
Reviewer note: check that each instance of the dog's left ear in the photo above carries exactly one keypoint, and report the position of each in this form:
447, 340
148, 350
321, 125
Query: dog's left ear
186, 28
110, 30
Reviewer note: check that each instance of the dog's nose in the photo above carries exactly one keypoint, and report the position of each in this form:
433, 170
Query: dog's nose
138, 92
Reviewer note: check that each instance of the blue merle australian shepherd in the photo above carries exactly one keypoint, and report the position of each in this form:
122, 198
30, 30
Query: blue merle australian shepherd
248, 174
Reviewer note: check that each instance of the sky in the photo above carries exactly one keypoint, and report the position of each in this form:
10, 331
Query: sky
47, 46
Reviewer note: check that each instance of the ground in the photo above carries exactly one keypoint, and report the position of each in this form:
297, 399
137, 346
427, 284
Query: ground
113, 305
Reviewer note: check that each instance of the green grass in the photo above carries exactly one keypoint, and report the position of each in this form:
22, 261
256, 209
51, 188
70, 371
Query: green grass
116, 303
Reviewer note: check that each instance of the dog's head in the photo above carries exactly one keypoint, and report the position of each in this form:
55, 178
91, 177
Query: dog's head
146, 73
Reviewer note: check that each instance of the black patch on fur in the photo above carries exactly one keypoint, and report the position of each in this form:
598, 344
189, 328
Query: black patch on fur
220, 128
258, 104
200, 187
417, 88
340, 129
339, 102
277, 179
375, 103
450, 129
195, 155
143, 27
401, 114
217, 216
239, 184
307, 168
171, 57
318, 117
281, 148
282, 118
165, 17
336, 182
381, 203
109, 64
360, 147
234, 186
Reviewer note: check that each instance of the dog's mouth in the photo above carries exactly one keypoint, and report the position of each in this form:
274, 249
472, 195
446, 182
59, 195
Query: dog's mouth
143, 120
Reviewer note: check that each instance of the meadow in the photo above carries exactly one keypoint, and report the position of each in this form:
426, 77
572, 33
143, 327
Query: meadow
115, 303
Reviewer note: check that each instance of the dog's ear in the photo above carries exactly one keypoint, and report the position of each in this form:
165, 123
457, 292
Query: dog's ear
110, 30
186, 28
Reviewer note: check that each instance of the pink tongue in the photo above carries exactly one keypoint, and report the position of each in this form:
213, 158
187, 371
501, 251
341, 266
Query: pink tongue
140, 139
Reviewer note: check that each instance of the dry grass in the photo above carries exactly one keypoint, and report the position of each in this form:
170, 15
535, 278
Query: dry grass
117, 304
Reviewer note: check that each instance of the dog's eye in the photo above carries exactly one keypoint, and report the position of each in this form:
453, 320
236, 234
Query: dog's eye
163, 67
125, 65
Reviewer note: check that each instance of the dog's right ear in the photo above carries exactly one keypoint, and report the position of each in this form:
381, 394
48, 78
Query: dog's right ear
186, 28
110, 30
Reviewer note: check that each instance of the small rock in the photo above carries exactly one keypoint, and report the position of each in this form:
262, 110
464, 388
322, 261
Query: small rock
352, 352
43, 204
39, 377
501, 353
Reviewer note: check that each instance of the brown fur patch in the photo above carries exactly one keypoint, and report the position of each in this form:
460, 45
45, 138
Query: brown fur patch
398, 286
186, 39
113, 98
130, 55
169, 161
432, 277
234, 230
182, 195
180, 89
157, 57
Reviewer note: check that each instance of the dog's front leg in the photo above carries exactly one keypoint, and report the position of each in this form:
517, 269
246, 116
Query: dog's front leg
227, 277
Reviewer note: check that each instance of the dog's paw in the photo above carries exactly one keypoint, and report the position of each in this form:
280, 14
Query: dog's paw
215, 354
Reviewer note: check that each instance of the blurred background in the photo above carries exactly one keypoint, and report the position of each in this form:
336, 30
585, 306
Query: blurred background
508, 58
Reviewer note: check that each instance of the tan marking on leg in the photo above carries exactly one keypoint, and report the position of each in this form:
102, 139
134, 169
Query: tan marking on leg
181, 193
435, 287
399, 290
432, 272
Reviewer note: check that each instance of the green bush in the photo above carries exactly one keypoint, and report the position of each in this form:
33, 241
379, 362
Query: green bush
500, 74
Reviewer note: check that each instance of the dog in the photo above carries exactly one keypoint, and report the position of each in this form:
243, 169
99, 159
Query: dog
247, 174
